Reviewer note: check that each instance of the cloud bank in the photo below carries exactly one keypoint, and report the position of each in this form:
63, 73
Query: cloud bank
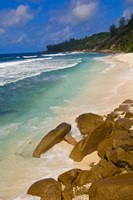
79, 11
15, 17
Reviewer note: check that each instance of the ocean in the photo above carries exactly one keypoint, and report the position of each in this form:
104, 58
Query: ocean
37, 92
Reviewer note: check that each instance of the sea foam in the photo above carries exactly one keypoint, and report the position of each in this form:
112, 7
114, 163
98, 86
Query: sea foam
19, 70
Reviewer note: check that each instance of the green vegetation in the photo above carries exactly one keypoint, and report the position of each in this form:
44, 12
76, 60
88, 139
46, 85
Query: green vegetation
117, 39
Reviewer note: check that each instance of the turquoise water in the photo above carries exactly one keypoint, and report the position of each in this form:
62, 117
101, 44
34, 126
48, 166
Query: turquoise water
32, 89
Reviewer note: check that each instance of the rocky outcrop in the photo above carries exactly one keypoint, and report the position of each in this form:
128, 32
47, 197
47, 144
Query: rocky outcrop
112, 116
118, 187
112, 177
123, 124
90, 144
53, 137
46, 189
87, 122
125, 106
118, 149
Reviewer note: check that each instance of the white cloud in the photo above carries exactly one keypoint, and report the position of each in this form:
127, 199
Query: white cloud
83, 11
64, 34
80, 11
15, 17
127, 13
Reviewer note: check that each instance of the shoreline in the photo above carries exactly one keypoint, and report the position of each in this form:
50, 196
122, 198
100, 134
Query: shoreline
107, 91
123, 91
113, 91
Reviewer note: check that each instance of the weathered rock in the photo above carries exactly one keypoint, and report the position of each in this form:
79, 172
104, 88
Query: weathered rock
87, 122
102, 170
107, 169
107, 144
83, 178
113, 188
67, 194
95, 174
79, 191
129, 114
128, 101
112, 116
123, 124
68, 177
46, 189
53, 137
90, 144
69, 139
124, 141
122, 108
117, 148
120, 157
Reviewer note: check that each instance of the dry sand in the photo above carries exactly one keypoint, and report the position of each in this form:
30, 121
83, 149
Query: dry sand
127, 58
125, 91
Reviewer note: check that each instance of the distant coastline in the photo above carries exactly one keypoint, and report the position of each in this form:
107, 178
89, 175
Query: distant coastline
118, 39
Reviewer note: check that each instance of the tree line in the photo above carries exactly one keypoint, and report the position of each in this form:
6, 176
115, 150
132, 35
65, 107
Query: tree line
118, 38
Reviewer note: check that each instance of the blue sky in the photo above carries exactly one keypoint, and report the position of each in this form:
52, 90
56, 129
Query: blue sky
30, 25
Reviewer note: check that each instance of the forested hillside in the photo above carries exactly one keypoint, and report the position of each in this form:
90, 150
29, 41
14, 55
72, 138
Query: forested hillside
117, 39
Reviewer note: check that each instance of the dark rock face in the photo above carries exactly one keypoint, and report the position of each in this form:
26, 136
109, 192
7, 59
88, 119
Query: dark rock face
118, 187
87, 122
90, 144
53, 137
46, 189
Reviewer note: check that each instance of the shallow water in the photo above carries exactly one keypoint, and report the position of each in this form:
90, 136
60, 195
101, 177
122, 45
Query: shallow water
37, 92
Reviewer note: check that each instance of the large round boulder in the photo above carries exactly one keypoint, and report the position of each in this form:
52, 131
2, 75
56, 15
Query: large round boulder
53, 137
46, 189
87, 122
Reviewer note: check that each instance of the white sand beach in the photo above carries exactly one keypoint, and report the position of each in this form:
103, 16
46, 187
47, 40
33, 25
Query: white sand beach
125, 91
